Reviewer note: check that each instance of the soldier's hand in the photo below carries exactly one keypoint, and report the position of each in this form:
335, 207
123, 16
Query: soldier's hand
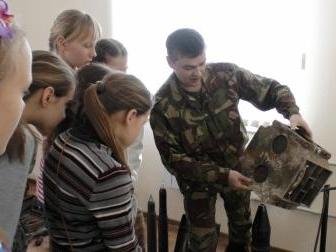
297, 122
237, 181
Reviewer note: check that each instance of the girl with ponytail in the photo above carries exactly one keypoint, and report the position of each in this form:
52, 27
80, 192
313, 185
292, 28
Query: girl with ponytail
88, 189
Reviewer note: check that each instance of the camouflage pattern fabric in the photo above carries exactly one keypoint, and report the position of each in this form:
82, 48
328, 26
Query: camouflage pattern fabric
200, 212
200, 136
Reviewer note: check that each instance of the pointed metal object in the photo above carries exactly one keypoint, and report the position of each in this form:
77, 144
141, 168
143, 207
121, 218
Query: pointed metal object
151, 226
261, 231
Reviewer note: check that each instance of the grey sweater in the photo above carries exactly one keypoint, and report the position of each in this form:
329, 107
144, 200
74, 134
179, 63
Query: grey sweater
13, 177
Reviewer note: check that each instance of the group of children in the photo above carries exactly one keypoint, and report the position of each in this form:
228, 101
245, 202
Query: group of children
73, 119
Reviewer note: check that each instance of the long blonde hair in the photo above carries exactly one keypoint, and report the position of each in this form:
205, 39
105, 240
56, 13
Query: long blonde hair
117, 92
9, 51
7, 48
71, 25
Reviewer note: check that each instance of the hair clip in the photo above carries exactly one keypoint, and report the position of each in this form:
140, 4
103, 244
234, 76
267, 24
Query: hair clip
6, 20
100, 87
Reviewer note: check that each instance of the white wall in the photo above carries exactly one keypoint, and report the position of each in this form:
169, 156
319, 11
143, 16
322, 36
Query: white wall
321, 64
36, 16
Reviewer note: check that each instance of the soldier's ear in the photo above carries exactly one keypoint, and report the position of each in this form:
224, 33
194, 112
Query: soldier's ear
170, 61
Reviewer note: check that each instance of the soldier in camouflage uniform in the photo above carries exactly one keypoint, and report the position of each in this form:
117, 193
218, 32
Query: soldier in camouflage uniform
200, 136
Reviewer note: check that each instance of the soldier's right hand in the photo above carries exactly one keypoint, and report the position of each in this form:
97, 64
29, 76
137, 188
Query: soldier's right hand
237, 181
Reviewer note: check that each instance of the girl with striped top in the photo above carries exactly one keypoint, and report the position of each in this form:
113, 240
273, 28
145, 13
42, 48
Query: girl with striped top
86, 76
88, 189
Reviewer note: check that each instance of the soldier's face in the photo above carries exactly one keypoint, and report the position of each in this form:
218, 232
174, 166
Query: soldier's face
189, 71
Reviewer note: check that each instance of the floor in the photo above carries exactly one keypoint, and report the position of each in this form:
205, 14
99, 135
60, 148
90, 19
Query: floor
173, 228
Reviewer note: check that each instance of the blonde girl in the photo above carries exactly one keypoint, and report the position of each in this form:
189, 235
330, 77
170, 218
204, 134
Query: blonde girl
73, 36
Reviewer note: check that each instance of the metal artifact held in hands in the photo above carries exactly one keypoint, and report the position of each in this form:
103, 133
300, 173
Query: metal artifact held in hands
287, 169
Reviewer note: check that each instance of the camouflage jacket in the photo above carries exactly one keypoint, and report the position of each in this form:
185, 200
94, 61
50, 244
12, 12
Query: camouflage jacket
201, 138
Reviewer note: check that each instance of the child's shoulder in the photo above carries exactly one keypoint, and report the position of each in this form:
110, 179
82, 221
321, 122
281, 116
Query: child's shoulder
93, 156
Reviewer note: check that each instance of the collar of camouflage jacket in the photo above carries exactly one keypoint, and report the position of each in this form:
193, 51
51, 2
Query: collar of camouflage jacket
181, 96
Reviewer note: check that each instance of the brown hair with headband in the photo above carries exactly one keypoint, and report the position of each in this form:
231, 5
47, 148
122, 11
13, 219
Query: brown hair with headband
48, 70
117, 92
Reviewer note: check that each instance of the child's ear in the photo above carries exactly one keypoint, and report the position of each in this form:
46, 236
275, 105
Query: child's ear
131, 115
48, 96
60, 43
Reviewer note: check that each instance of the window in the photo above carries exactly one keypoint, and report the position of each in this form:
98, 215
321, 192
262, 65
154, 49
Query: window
266, 37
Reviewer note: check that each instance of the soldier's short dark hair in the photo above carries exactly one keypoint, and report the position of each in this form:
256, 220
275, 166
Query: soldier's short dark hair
109, 47
185, 42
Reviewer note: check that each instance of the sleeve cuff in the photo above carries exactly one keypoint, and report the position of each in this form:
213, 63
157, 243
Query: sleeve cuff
223, 176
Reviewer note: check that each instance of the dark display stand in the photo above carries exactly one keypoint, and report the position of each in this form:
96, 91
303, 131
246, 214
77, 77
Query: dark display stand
323, 225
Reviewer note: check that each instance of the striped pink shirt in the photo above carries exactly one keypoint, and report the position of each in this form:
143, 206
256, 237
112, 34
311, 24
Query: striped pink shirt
39, 183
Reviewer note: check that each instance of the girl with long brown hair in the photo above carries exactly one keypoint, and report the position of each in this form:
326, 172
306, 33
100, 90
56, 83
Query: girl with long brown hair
53, 84
88, 189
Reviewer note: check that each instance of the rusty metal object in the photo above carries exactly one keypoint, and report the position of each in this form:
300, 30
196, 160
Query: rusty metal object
287, 169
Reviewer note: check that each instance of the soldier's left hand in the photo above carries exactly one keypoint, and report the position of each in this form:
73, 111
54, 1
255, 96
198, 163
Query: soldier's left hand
296, 122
